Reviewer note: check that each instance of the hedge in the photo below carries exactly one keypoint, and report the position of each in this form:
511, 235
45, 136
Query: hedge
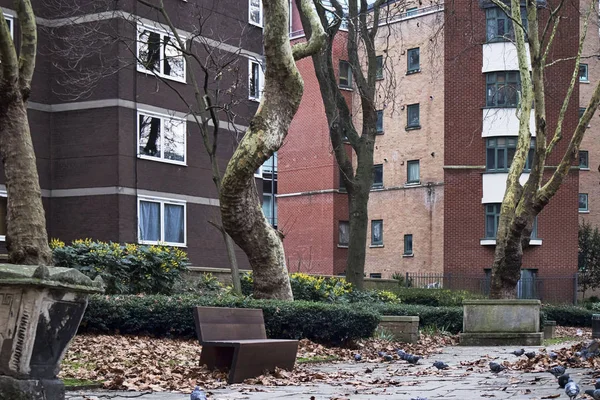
568, 315
434, 297
172, 316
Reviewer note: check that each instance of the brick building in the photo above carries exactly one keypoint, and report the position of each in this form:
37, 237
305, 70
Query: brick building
442, 157
126, 162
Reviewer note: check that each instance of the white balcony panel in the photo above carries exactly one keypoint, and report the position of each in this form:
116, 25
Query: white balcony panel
501, 56
503, 122
494, 186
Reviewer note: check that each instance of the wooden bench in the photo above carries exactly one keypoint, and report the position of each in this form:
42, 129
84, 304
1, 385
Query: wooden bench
235, 339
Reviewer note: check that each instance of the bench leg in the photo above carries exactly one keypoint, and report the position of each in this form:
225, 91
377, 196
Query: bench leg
251, 360
216, 357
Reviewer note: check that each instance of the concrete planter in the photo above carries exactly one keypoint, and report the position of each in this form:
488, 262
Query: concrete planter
549, 329
40, 311
501, 322
404, 328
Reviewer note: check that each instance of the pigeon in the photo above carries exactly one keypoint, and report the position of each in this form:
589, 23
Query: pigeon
530, 355
557, 371
413, 359
593, 393
357, 357
495, 367
553, 356
381, 353
518, 353
387, 357
597, 384
401, 353
571, 389
563, 380
440, 365
198, 394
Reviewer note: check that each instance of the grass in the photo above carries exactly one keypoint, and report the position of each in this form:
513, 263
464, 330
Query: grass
317, 359
558, 340
72, 382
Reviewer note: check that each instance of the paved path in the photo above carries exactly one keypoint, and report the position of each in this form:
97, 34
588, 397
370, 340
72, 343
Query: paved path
391, 381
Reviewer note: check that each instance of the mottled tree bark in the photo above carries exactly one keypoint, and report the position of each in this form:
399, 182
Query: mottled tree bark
522, 203
241, 210
26, 238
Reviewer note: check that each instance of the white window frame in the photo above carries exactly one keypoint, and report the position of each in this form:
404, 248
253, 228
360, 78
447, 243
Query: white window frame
163, 118
162, 32
12, 27
585, 79
4, 194
262, 15
162, 201
261, 80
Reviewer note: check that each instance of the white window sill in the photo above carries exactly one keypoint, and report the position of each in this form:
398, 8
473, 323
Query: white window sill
348, 89
256, 99
255, 24
412, 184
162, 160
169, 77
584, 81
342, 246
375, 188
408, 255
375, 246
584, 211
584, 168
151, 242
492, 242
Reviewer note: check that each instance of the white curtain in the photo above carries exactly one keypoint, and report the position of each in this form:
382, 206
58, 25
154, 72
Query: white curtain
149, 221
413, 172
174, 223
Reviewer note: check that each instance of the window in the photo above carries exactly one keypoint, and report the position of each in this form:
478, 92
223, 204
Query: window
583, 73
158, 53
9, 22
377, 175
501, 151
583, 202
3, 210
377, 232
375, 275
584, 162
492, 218
255, 12
413, 172
161, 137
408, 245
345, 74
344, 233
502, 88
342, 183
413, 61
379, 70
581, 111
161, 221
379, 122
499, 26
412, 11
269, 207
413, 116
256, 80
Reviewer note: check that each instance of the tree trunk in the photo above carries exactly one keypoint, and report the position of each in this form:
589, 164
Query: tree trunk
359, 221
26, 239
506, 270
235, 271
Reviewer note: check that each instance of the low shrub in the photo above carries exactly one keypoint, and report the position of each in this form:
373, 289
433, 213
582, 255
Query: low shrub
566, 315
434, 297
449, 319
173, 315
130, 268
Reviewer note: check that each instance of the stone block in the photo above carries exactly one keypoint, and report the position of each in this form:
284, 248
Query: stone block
31, 389
501, 322
403, 328
549, 329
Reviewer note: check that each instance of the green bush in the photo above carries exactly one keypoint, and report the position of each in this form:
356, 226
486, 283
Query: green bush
448, 319
125, 269
569, 315
434, 297
173, 315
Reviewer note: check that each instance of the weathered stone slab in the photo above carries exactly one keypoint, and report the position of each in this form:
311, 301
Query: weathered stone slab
32, 389
549, 329
501, 339
403, 328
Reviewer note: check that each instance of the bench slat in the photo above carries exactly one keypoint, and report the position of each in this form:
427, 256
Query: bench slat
217, 323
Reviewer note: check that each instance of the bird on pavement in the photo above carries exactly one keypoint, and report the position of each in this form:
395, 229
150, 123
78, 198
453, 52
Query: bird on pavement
593, 393
401, 353
387, 357
563, 380
518, 353
553, 356
557, 371
597, 384
530, 355
440, 365
495, 367
381, 353
412, 359
198, 394
357, 357
571, 389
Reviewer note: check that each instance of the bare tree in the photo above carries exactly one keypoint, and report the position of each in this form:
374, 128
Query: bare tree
364, 20
522, 203
26, 238
241, 211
